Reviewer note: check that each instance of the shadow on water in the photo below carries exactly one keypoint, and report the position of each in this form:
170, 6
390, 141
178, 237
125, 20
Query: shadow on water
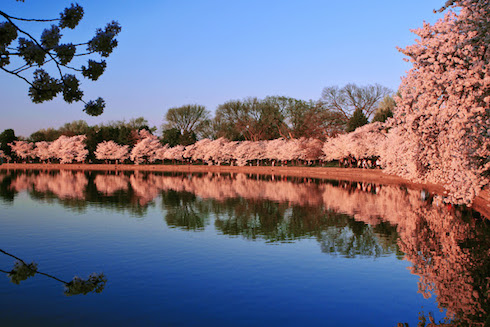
448, 246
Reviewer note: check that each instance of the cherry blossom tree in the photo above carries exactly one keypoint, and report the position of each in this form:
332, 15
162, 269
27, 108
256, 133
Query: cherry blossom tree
477, 20
310, 149
214, 151
273, 150
365, 142
22, 149
228, 152
110, 150
141, 134
196, 151
250, 151
442, 117
175, 153
68, 149
292, 150
242, 152
160, 153
145, 149
41, 150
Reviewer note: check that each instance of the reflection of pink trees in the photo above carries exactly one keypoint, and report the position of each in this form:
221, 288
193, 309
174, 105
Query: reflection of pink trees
110, 150
431, 235
144, 188
438, 242
448, 251
450, 254
109, 184
64, 184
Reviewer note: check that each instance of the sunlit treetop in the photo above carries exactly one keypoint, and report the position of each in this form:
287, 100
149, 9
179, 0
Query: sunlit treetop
35, 55
476, 20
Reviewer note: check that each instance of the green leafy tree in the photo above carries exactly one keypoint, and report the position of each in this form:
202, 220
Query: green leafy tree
308, 119
188, 119
250, 119
188, 138
49, 134
77, 127
7, 136
358, 119
49, 50
171, 137
385, 109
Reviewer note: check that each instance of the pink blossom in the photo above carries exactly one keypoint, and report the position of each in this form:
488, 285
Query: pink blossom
68, 149
22, 149
442, 115
145, 149
110, 150
42, 150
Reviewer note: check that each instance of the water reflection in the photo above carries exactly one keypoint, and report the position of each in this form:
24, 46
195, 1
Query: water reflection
448, 247
185, 211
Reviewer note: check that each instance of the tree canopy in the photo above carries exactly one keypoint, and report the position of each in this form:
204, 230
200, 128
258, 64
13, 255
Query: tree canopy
385, 109
49, 53
6, 137
188, 119
306, 118
358, 119
348, 99
442, 119
250, 119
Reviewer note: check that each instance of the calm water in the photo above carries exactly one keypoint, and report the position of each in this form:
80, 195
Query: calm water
236, 250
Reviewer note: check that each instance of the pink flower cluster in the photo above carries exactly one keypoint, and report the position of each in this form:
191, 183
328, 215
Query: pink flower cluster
65, 149
442, 120
220, 151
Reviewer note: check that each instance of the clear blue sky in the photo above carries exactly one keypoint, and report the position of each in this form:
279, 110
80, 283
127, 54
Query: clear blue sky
173, 53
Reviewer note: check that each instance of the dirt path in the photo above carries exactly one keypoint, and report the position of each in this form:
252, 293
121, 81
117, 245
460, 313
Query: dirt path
481, 203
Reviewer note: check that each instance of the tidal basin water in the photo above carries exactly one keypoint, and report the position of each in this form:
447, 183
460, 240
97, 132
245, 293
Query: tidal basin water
237, 250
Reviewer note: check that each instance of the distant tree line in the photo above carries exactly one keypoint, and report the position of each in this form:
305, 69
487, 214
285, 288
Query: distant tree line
339, 110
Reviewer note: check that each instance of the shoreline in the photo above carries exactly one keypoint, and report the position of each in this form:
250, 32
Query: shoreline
481, 203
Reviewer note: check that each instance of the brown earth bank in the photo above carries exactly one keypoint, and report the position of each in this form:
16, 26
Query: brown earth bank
376, 176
